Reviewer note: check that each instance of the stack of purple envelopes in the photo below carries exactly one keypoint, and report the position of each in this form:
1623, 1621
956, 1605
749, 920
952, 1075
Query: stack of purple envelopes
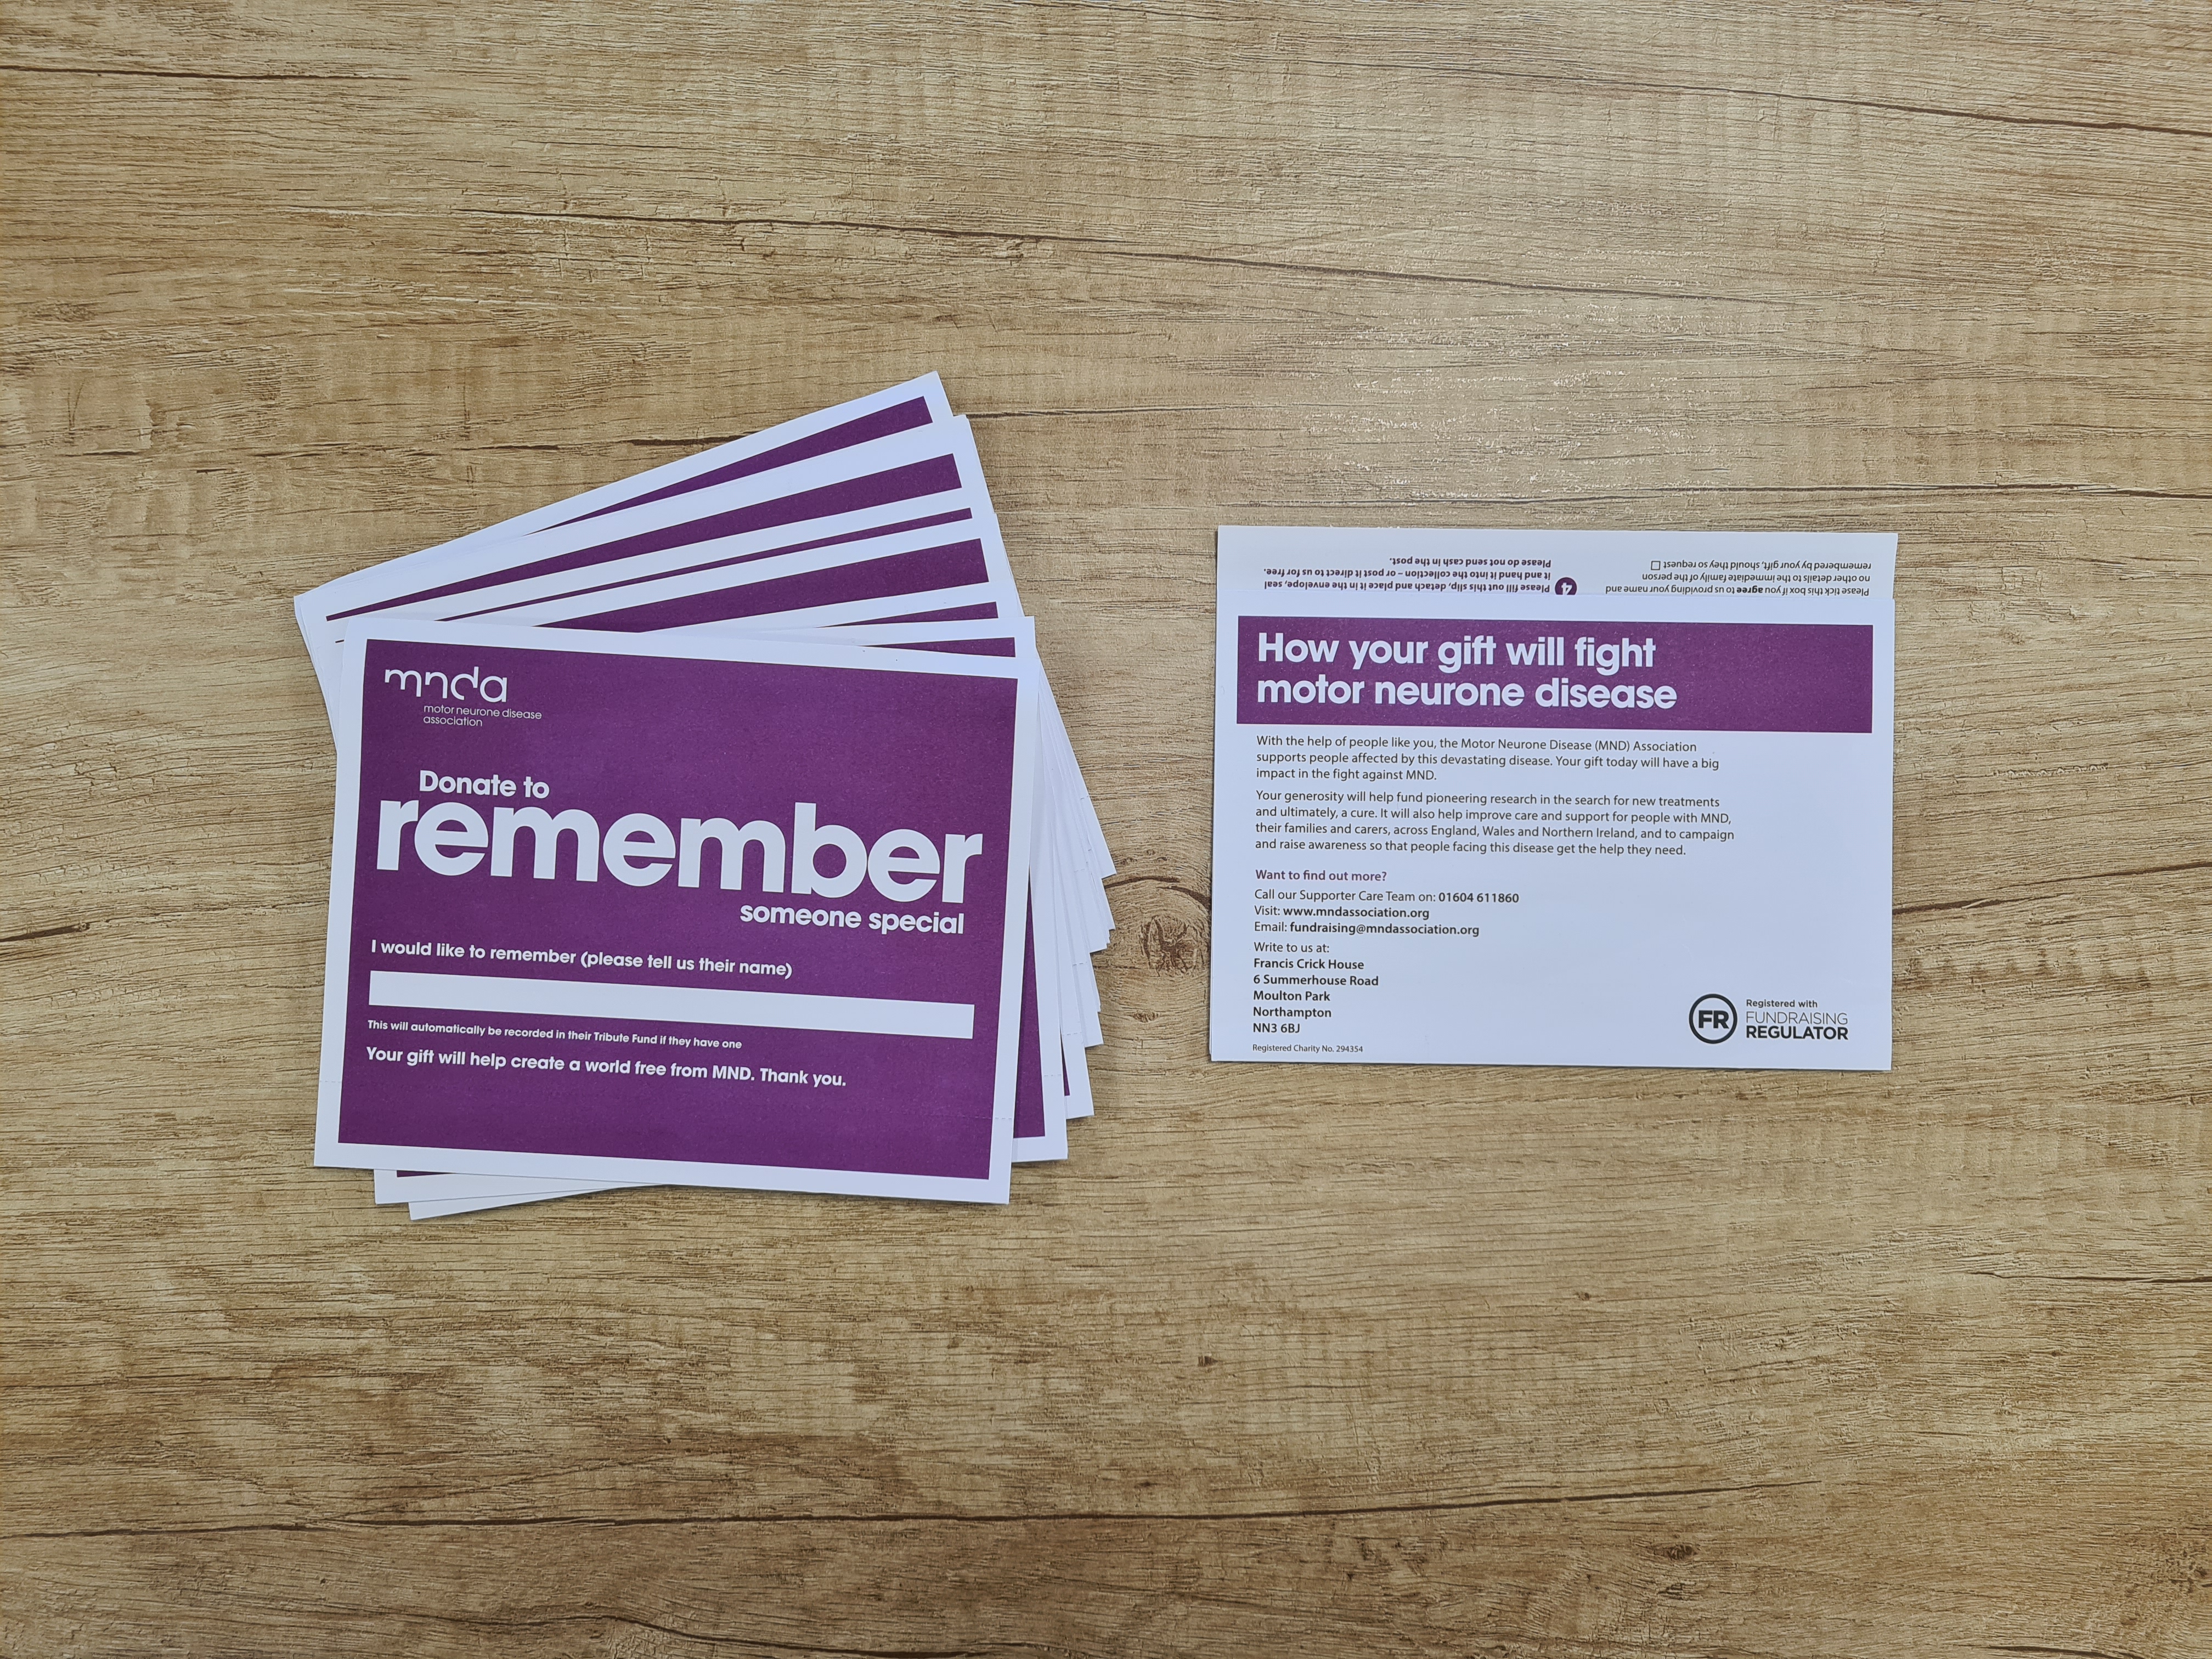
715, 827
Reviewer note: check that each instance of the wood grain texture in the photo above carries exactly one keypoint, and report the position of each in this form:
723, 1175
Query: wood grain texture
1579, 1364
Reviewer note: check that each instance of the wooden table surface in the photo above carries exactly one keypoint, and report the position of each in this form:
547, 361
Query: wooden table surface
1555, 1363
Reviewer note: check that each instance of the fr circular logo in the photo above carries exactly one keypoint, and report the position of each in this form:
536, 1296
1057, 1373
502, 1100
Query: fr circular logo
1713, 1018
1564, 585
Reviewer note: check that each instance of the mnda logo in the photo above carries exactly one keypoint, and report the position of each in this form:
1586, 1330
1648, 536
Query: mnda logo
1713, 1018
418, 681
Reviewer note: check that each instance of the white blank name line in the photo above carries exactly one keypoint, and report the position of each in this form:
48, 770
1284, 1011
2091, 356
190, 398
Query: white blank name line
587, 999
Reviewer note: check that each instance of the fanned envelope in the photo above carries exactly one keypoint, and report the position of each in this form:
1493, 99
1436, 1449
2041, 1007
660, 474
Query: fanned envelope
865, 530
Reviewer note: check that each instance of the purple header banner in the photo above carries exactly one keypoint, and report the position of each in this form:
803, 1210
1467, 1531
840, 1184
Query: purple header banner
927, 570
1650, 677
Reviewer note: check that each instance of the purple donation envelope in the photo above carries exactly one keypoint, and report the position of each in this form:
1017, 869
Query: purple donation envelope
728, 912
